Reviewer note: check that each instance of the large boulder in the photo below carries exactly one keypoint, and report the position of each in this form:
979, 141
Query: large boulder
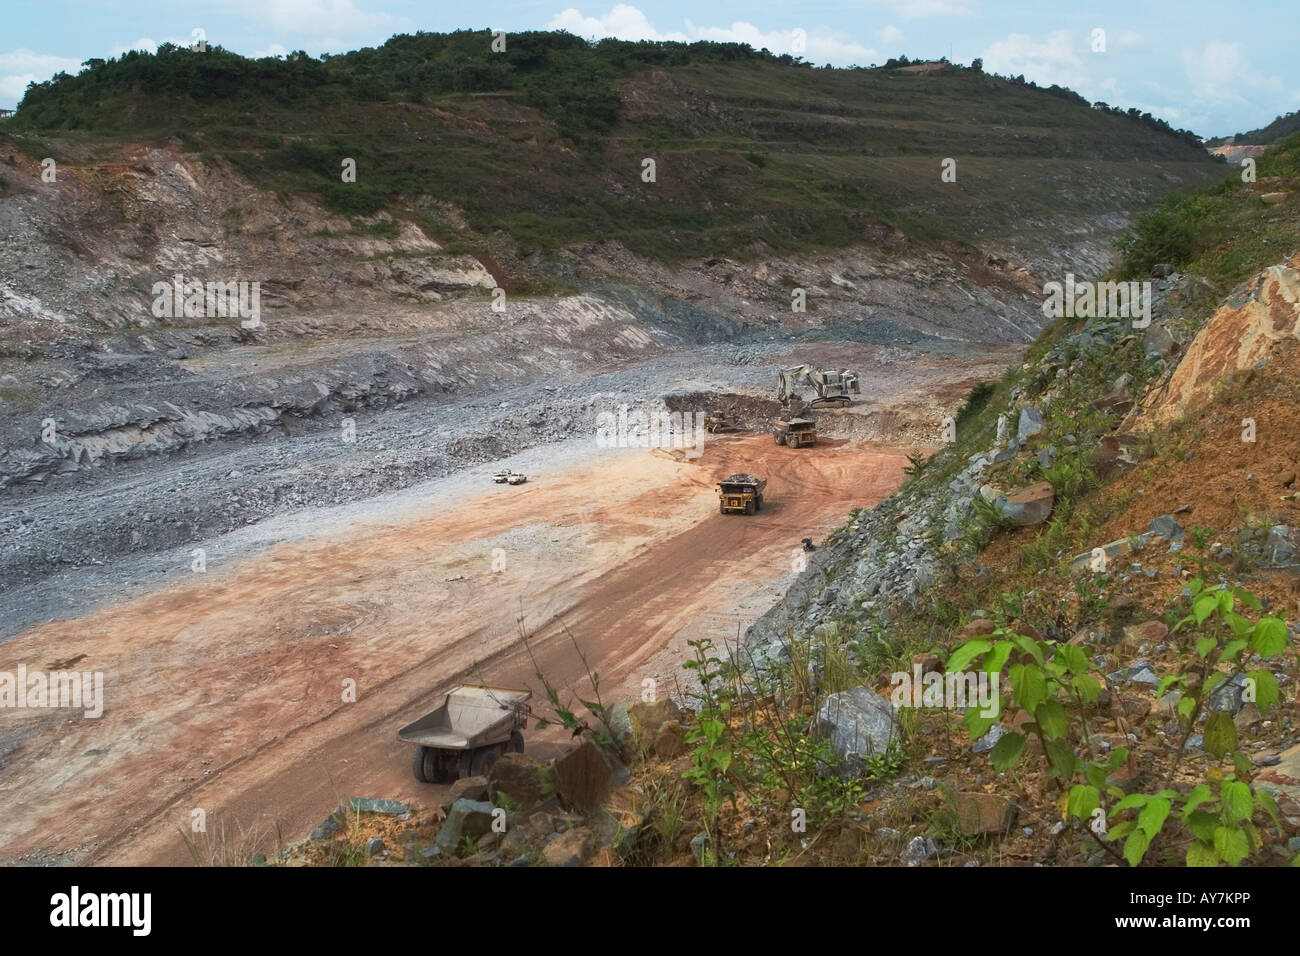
858, 723
1031, 423
1029, 505
522, 780
466, 818
570, 848
648, 718
470, 788
584, 776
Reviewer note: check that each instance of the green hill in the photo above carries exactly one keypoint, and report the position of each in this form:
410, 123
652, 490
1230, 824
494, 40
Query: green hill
546, 141
1274, 132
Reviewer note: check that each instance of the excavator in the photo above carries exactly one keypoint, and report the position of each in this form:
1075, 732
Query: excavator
833, 387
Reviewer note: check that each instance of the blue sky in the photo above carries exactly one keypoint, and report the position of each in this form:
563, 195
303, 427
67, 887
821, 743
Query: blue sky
1215, 68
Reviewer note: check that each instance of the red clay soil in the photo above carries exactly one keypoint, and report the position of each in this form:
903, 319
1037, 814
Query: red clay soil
226, 693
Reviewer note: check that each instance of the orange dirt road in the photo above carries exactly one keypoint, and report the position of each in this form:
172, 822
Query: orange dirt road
227, 694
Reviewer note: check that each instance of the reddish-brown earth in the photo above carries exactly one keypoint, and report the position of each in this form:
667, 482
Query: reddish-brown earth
226, 693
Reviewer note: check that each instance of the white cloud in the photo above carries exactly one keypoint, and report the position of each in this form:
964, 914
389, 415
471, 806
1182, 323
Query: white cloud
144, 44
891, 34
623, 22
312, 18
926, 9
21, 67
1129, 38
275, 49
1219, 74
626, 22
1052, 59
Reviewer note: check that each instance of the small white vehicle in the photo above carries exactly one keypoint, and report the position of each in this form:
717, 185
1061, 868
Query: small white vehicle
509, 477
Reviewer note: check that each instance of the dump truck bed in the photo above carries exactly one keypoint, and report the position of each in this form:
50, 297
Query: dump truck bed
469, 717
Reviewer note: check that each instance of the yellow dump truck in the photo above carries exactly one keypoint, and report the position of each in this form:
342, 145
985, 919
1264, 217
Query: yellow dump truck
741, 494
794, 432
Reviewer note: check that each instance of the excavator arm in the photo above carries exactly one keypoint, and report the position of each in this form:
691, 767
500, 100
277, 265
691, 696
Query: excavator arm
790, 378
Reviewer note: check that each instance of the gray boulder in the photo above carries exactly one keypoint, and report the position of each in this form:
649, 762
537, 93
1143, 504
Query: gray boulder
858, 723
1031, 423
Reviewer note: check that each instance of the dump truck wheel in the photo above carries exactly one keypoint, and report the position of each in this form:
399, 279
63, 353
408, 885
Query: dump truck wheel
483, 761
722, 509
760, 502
465, 763
417, 765
516, 745
749, 507
433, 770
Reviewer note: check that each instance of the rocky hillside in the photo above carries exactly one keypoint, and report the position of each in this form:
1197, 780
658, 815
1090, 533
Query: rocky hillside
489, 255
1114, 532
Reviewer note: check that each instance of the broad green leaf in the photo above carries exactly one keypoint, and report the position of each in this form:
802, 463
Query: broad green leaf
1203, 825
1061, 756
1186, 705
1265, 688
1243, 764
1240, 626
1006, 752
1265, 800
1121, 830
1204, 606
1199, 795
1029, 686
1052, 719
1202, 854
1135, 847
1074, 658
1269, 636
1248, 598
1087, 687
1231, 649
1226, 601
1095, 775
1220, 734
1152, 816
996, 659
1231, 845
967, 653
1131, 801
977, 723
1084, 800
1118, 756
1253, 835
1205, 645
1238, 804
1030, 647
1194, 586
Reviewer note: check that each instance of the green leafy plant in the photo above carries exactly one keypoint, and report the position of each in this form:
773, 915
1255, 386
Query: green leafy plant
1053, 684
711, 753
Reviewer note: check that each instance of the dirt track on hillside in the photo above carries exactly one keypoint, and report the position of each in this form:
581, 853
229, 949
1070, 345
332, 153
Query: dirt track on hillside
226, 693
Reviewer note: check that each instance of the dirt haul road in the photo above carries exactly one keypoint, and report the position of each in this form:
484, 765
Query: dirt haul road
227, 693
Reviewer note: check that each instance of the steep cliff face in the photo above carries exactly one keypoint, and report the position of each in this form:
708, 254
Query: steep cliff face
363, 314
1244, 332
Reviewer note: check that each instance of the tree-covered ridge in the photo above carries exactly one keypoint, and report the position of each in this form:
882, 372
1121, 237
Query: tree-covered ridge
565, 76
